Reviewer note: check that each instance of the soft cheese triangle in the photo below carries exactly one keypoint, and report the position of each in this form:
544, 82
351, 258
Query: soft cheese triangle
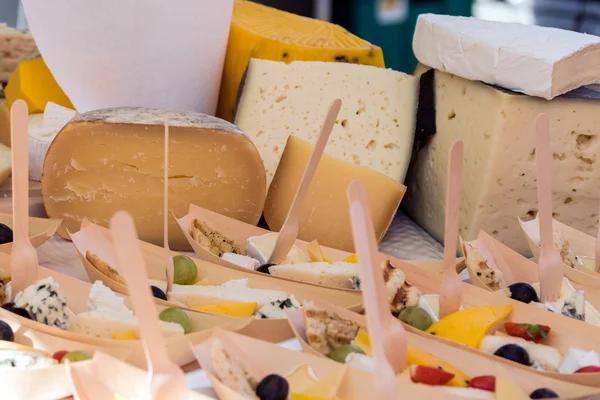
538, 61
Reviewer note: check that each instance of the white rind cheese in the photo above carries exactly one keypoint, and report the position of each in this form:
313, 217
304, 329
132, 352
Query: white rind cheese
108, 160
538, 61
337, 274
499, 175
375, 126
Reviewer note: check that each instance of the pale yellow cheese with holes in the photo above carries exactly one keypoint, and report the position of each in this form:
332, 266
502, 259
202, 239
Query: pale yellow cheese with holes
499, 177
375, 127
109, 160
324, 215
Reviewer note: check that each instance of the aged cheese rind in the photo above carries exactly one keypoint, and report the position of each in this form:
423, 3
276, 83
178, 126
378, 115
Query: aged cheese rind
109, 160
324, 215
499, 177
258, 31
375, 127
538, 61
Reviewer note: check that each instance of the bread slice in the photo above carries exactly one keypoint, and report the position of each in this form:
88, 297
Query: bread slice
104, 268
231, 372
212, 240
326, 332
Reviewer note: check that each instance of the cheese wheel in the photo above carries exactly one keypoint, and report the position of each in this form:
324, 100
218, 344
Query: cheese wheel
325, 213
112, 159
258, 31
375, 127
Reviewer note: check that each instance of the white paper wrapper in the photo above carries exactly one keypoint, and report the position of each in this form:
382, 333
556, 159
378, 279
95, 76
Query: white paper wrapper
151, 53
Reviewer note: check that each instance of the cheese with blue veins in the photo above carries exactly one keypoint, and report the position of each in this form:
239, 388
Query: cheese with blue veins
44, 303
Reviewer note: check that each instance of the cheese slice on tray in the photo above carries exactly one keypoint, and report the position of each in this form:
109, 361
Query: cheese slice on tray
375, 127
337, 274
538, 61
112, 159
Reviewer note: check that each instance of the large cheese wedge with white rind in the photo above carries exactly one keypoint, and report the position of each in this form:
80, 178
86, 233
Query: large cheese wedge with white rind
375, 127
258, 31
538, 61
109, 160
499, 176
324, 213
337, 274
5, 163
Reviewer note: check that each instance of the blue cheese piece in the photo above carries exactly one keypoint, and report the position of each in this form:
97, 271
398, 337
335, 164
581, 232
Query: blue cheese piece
24, 359
276, 309
574, 306
355, 282
44, 303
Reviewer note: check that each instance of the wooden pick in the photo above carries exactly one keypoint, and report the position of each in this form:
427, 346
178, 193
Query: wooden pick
550, 261
87, 387
289, 231
597, 250
451, 288
131, 261
388, 338
24, 260
168, 256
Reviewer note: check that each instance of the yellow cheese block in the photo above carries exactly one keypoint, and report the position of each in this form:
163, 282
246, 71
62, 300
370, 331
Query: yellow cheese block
108, 160
266, 33
301, 379
324, 215
230, 309
127, 335
33, 82
314, 252
4, 123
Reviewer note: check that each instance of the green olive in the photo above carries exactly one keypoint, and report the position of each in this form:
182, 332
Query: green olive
176, 316
416, 317
342, 352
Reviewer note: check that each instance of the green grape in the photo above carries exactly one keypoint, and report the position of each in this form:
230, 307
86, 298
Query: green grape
416, 317
75, 356
177, 316
185, 270
342, 352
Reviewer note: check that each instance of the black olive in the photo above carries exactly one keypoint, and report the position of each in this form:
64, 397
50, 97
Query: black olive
543, 393
264, 268
523, 292
16, 310
158, 293
6, 234
515, 353
273, 387
6, 332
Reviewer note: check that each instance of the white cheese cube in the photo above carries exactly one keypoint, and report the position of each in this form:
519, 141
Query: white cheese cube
243, 261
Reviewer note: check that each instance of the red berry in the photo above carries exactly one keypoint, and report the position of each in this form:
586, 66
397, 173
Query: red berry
429, 375
589, 368
58, 356
484, 382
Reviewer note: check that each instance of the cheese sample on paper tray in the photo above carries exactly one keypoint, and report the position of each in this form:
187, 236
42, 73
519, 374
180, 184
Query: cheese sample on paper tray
499, 177
324, 215
538, 61
258, 31
108, 160
375, 127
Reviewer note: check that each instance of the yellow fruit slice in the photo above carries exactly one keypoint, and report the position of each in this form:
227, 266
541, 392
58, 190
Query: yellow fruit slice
230, 309
301, 379
328, 386
420, 357
469, 326
262, 32
352, 258
507, 389
314, 252
363, 341
127, 335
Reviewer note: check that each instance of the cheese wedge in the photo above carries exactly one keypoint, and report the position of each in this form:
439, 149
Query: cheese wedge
534, 60
337, 274
258, 31
324, 213
261, 247
108, 160
33, 82
499, 171
375, 126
